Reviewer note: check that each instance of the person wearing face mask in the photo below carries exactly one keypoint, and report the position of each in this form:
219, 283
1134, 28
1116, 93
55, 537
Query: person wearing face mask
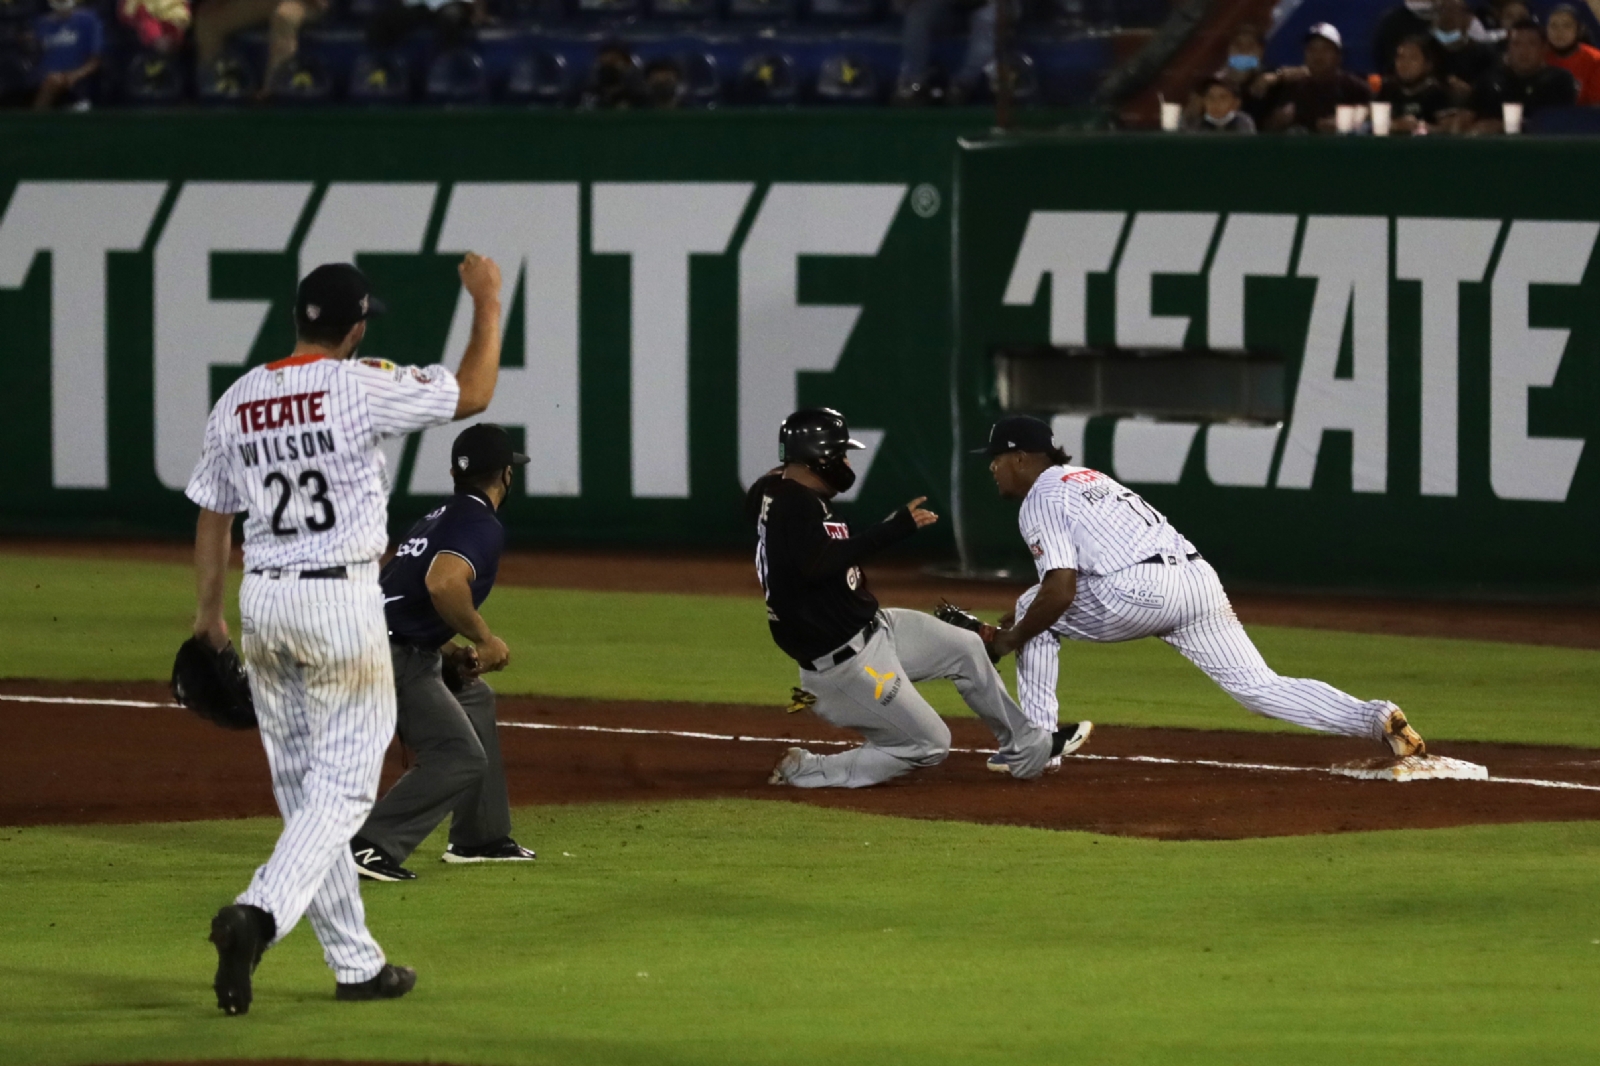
1459, 62
70, 40
1525, 78
1412, 91
1569, 51
1410, 19
1241, 72
858, 664
1220, 110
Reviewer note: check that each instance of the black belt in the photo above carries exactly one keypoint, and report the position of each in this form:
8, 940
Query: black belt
327, 573
846, 653
1191, 557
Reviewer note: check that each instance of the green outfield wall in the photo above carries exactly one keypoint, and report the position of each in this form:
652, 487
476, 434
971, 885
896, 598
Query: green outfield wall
676, 283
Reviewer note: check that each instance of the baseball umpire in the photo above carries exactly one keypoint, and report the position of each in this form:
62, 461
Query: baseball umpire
1112, 568
295, 444
440, 575
857, 662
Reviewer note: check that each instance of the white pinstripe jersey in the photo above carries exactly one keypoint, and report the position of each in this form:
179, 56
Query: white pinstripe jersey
295, 443
1079, 519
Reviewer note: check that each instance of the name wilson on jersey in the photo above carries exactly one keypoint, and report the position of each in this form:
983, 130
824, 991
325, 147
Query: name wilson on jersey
302, 408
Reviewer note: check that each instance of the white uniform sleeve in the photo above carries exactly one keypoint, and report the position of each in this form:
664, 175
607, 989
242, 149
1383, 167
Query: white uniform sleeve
404, 399
210, 486
1044, 525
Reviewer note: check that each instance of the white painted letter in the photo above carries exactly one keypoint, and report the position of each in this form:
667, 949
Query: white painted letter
1520, 357
1069, 246
1160, 242
193, 332
659, 225
77, 223
1349, 257
1251, 246
779, 336
1441, 253
531, 230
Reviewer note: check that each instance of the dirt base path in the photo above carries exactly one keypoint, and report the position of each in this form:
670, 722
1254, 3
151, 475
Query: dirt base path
900, 583
73, 763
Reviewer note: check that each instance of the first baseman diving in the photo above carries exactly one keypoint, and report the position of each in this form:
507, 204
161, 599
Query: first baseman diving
295, 444
1112, 568
857, 662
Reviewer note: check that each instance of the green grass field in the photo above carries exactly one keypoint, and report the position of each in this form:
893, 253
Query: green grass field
748, 932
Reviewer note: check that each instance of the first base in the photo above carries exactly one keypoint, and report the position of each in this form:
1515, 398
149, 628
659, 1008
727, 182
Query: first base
1414, 768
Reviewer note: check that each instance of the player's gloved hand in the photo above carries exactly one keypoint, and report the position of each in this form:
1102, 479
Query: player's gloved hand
458, 667
949, 613
492, 654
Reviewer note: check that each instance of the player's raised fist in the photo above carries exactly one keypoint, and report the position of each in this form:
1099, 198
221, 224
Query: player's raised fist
480, 276
919, 514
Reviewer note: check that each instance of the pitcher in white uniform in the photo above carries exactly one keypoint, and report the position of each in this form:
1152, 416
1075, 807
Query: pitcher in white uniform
295, 444
1112, 568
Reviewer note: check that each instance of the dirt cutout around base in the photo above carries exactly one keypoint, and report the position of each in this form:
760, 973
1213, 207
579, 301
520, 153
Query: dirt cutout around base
65, 764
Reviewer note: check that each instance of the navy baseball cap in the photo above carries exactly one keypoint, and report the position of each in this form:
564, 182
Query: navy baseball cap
333, 298
1018, 433
483, 448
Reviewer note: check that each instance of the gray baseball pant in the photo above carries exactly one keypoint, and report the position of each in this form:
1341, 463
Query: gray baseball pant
458, 771
872, 693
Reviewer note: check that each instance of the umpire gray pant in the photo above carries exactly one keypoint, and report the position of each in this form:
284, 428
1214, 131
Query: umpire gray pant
458, 770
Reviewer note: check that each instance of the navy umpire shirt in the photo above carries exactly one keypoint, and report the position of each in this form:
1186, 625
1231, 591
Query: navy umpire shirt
466, 526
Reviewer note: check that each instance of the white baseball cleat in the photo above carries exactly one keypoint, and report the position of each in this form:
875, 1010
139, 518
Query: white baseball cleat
1402, 739
1065, 741
787, 766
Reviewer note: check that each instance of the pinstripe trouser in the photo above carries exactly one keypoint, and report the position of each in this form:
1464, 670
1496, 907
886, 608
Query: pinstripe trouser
320, 672
1183, 604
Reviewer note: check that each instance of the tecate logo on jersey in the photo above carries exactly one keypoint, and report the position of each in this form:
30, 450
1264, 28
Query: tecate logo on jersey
296, 410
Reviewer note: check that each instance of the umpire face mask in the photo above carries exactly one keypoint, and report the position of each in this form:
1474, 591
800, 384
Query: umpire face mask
836, 472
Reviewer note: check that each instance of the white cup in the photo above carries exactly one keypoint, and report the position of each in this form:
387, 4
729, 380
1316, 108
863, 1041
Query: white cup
1382, 115
1344, 118
1171, 116
1511, 115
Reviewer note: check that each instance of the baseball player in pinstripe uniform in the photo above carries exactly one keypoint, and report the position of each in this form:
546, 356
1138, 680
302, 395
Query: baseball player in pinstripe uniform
295, 444
1112, 568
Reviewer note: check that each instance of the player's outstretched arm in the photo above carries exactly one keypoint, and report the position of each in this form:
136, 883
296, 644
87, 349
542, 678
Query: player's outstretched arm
1056, 593
449, 586
480, 366
827, 555
213, 541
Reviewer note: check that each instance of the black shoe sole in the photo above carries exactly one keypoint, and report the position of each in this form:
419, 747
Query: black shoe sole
236, 959
366, 991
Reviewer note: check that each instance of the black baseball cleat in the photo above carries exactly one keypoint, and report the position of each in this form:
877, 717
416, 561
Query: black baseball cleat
392, 982
374, 863
241, 933
503, 850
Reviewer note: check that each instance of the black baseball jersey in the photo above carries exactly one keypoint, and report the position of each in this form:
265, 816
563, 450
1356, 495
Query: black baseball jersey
817, 597
466, 526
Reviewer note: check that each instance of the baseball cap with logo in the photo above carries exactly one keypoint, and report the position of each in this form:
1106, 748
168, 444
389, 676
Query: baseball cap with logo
1328, 32
481, 449
1018, 433
333, 298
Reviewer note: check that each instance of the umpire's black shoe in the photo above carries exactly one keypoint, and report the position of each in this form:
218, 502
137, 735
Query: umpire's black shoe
503, 850
374, 863
392, 982
241, 933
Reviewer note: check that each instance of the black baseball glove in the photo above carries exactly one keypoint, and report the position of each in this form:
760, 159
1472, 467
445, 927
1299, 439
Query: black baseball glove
213, 684
953, 615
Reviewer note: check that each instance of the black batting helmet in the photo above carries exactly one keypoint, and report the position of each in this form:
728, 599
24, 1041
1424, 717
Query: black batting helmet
814, 435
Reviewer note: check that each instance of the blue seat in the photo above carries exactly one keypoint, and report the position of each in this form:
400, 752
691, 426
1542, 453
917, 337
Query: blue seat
230, 80
607, 10
543, 78
152, 80
17, 76
846, 79
763, 10
380, 78
1564, 121
19, 10
458, 77
702, 80
768, 78
682, 10
362, 10
301, 81
851, 11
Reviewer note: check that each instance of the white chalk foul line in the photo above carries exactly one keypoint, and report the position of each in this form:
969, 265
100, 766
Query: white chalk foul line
689, 734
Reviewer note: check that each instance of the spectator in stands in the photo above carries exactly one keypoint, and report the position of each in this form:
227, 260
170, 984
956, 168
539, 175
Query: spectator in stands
1411, 19
69, 40
1570, 51
922, 20
1309, 95
450, 20
159, 25
1418, 99
1220, 111
1525, 78
1458, 62
217, 20
1241, 70
663, 84
615, 81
